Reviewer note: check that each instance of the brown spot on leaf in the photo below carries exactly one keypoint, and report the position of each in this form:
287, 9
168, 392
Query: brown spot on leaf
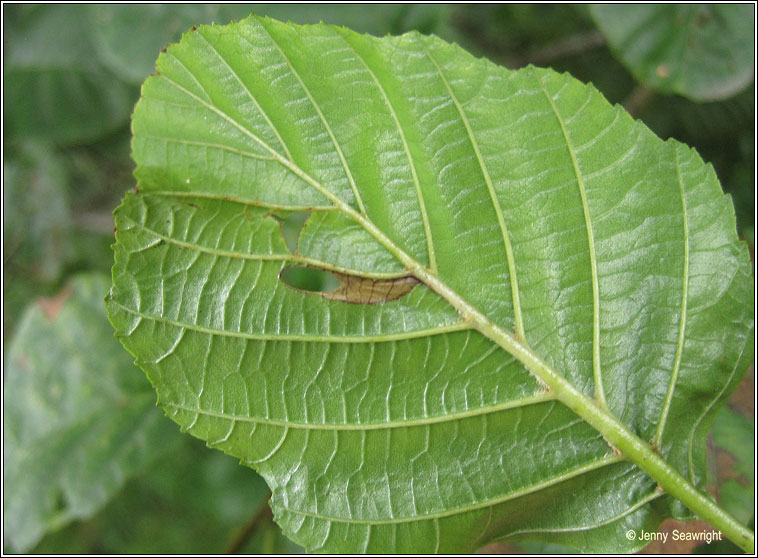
362, 290
52, 306
354, 288
662, 71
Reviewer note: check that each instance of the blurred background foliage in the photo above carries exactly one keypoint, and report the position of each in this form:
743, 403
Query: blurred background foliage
71, 78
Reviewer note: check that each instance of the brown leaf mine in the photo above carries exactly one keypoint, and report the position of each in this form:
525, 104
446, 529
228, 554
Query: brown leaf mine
349, 288
362, 290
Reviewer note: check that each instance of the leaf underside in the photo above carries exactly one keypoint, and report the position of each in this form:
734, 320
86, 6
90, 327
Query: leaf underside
395, 426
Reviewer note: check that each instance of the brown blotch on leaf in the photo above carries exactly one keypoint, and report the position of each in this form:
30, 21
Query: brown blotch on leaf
51, 307
362, 290
355, 289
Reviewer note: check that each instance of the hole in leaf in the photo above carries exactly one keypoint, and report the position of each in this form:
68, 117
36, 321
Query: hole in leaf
291, 225
347, 288
309, 279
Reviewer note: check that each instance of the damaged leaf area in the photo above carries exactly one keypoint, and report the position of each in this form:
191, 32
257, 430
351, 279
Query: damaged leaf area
356, 289
360, 290
541, 305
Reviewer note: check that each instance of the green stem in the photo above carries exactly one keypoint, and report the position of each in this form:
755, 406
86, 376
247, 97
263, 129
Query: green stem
617, 434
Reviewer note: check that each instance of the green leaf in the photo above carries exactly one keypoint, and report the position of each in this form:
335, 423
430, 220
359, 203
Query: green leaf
55, 88
734, 434
704, 52
36, 216
199, 502
113, 33
78, 417
580, 290
133, 61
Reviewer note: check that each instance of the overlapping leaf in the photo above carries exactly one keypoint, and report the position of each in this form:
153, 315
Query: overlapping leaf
395, 426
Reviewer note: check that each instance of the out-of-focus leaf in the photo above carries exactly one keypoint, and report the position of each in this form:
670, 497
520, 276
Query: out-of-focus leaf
733, 433
704, 52
100, 173
159, 24
724, 546
114, 27
79, 417
36, 218
737, 499
516, 32
190, 501
53, 84
702, 123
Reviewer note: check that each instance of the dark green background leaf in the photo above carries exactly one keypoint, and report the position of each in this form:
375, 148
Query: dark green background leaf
704, 51
54, 85
734, 434
190, 501
79, 418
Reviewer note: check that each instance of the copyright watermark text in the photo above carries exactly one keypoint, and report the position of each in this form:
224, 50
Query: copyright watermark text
675, 535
